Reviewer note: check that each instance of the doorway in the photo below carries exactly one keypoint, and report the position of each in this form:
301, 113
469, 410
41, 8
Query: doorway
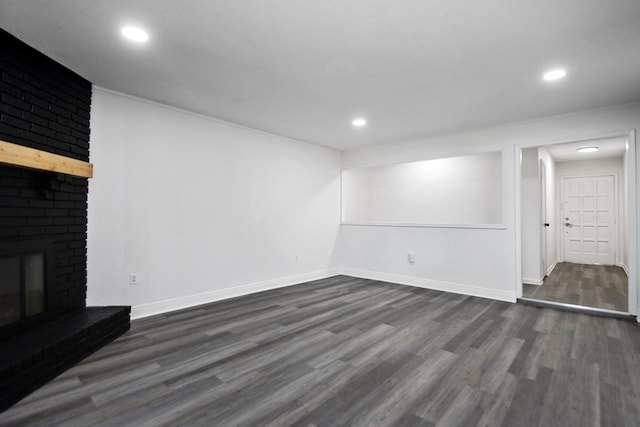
574, 206
589, 219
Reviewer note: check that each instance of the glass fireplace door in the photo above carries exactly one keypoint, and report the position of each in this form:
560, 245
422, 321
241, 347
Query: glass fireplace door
22, 287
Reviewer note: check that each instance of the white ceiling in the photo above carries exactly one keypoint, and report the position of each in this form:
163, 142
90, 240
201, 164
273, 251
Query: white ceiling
607, 147
305, 68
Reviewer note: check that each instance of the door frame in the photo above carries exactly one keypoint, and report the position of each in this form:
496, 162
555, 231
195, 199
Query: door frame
543, 217
616, 215
631, 163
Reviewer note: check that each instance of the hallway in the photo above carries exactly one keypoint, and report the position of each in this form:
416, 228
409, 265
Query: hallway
597, 286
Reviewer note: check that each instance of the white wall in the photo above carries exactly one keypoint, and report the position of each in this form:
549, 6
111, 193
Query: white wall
231, 233
201, 209
609, 166
531, 217
453, 190
481, 261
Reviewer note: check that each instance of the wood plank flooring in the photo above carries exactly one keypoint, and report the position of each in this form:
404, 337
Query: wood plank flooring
597, 286
345, 351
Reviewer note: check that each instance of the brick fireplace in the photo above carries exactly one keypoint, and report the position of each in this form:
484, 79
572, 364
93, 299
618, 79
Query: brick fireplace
43, 226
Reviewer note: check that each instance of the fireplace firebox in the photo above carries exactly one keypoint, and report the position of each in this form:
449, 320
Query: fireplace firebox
26, 284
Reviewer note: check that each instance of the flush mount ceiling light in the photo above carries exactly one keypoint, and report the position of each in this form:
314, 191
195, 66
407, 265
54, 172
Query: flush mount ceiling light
554, 74
359, 122
135, 34
587, 149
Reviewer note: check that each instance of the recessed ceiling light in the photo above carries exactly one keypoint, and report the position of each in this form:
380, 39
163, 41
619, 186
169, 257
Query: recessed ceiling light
554, 74
135, 34
587, 149
359, 122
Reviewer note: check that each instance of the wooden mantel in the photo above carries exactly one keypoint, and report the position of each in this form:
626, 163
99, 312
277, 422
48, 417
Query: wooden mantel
25, 157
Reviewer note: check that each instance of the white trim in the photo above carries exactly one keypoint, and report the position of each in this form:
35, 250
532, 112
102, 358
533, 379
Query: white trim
505, 160
517, 220
421, 225
543, 213
159, 307
633, 166
624, 267
527, 281
456, 288
551, 267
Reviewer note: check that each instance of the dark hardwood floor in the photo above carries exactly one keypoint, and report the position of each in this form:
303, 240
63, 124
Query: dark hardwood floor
588, 285
345, 351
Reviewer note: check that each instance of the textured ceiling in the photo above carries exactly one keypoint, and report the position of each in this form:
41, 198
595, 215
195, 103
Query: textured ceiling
304, 68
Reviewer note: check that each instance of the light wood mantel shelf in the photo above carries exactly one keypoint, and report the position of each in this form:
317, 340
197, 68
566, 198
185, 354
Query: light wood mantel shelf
25, 157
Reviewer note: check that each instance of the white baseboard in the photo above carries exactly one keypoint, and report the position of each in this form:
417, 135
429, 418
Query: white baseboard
624, 267
538, 282
552, 267
457, 288
159, 307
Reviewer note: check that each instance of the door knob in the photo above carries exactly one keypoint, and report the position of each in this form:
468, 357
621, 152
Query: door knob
546, 224
568, 224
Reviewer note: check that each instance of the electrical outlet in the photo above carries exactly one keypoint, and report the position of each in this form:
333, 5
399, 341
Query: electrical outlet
411, 257
133, 279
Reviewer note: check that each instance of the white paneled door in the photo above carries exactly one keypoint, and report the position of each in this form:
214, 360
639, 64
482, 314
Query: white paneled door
588, 219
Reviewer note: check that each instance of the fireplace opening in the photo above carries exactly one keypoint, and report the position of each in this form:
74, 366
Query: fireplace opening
23, 294
26, 281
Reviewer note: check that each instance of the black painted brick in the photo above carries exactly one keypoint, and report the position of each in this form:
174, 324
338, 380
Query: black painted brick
27, 193
8, 211
13, 201
45, 113
67, 139
5, 87
43, 130
8, 67
8, 109
8, 232
39, 355
16, 122
9, 133
35, 140
9, 192
44, 92
38, 221
15, 102
32, 118
43, 105
59, 128
35, 100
